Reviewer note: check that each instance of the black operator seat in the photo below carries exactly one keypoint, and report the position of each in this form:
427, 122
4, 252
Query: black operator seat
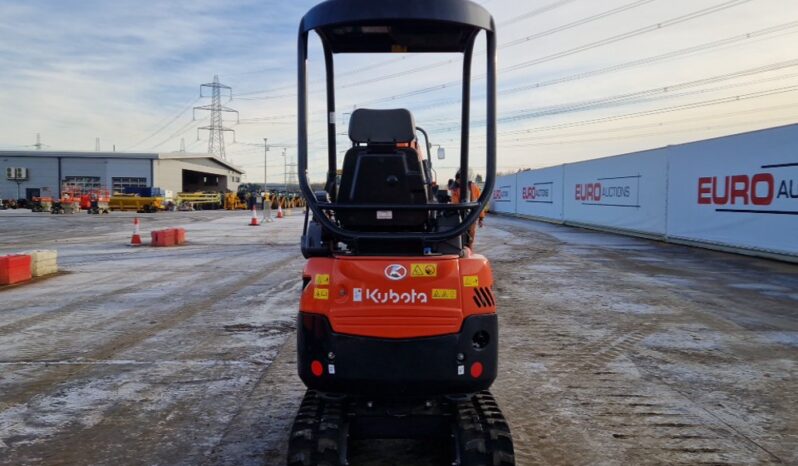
383, 167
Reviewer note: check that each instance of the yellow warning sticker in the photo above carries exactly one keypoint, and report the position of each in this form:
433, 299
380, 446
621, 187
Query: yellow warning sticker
444, 294
322, 279
423, 270
321, 293
470, 281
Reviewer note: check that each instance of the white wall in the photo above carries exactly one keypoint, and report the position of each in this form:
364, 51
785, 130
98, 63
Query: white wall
758, 209
539, 193
129, 168
42, 174
626, 192
169, 172
676, 193
504, 195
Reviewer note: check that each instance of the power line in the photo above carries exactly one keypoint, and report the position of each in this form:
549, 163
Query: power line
658, 111
573, 51
382, 64
180, 131
605, 41
579, 22
656, 58
761, 33
536, 12
165, 125
526, 39
670, 109
659, 132
628, 35
565, 53
769, 109
648, 95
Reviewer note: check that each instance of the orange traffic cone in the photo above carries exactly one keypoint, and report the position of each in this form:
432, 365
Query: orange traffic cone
280, 212
254, 222
136, 239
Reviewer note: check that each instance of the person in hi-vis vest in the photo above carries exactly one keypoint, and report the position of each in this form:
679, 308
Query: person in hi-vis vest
474, 193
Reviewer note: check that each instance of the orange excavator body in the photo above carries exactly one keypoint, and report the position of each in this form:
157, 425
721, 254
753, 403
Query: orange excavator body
398, 297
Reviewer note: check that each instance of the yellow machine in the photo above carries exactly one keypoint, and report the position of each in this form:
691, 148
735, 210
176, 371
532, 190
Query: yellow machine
233, 202
199, 200
135, 203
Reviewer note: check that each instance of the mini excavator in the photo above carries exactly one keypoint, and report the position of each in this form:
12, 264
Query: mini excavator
397, 330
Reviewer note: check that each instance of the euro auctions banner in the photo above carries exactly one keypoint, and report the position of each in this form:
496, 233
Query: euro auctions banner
539, 193
504, 199
739, 190
626, 192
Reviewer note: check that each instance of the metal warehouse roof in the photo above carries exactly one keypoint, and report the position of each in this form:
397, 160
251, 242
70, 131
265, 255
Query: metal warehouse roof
76, 154
187, 155
119, 155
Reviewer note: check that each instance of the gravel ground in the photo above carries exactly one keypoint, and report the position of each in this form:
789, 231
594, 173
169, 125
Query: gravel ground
614, 350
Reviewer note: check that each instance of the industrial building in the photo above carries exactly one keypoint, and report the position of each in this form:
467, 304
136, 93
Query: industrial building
28, 174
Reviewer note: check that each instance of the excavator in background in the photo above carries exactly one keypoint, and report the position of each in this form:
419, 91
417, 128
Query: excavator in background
397, 331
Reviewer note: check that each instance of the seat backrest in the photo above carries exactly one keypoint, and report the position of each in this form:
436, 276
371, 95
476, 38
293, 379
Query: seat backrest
376, 171
382, 175
368, 126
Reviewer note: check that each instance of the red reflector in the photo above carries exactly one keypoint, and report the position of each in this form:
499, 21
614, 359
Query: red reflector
317, 369
476, 369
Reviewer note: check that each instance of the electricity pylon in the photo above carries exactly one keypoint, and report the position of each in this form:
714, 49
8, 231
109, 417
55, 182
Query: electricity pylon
216, 128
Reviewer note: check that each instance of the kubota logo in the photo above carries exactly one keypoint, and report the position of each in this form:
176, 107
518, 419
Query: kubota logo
377, 296
395, 272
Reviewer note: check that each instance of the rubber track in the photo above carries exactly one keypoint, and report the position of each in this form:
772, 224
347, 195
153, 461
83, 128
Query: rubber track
483, 435
318, 436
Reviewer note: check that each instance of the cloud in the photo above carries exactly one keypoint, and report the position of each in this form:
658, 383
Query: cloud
122, 70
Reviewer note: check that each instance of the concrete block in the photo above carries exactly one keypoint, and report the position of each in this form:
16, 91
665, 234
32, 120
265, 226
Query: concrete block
14, 269
43, 262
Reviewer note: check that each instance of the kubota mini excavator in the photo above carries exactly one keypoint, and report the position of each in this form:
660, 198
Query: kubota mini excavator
397, 327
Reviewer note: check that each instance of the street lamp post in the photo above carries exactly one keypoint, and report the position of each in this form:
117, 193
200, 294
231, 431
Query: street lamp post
265, 163
285, 170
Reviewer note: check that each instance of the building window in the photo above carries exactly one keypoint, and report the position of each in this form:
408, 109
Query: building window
82, 183
120, 183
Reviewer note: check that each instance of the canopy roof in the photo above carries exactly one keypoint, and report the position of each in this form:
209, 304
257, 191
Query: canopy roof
400, 26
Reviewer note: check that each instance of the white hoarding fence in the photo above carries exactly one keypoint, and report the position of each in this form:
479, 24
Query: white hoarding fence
625, 192
539, 193
504, 198
739, 191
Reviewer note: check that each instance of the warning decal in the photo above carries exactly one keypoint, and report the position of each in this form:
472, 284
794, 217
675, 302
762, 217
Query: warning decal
444, 294
423, 270
323, 279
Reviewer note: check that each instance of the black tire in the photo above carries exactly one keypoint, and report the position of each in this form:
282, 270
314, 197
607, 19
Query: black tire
319, 434
482, 435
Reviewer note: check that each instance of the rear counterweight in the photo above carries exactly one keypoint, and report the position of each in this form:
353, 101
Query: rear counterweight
464, 362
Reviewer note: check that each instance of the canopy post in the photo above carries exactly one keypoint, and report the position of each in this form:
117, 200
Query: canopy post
332, 145
465, 123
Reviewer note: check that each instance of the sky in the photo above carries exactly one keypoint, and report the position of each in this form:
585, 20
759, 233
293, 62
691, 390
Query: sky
578, 79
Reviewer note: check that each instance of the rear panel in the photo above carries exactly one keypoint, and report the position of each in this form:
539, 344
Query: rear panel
398, 297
